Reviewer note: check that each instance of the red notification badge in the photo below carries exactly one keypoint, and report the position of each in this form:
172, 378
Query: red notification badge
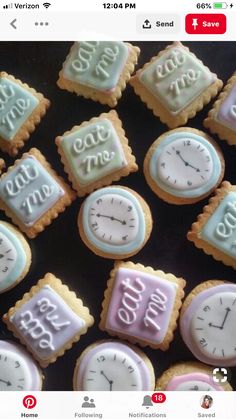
158, 397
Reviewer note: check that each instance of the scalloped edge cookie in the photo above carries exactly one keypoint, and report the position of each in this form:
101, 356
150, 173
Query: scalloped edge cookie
159, 110
169, 335
115, 175
109, 99
69, 298
213, 124
28, 127
194, 234
50, 214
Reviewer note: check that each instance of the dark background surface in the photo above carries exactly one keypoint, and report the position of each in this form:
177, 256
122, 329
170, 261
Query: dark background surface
59, 248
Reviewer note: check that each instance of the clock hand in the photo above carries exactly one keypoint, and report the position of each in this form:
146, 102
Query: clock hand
222, 325
111, 384
226, 315
109, 381
1, 256
111, 218
213, 325
8, 383
185, 162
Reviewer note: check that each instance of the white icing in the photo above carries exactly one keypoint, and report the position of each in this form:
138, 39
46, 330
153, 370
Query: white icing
46, 322
194, 386
113, 219
8, 257
14, 372
156, 304
213, 326
225, 228
185, 164
112, 370
131, 300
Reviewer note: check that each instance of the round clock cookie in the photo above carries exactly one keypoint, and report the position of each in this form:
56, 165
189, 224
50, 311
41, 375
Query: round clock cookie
18, 371
191, 376
113, 366
15, 256
115, 222
184, 166
207, 323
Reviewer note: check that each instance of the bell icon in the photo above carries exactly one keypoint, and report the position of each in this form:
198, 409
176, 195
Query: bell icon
147, 401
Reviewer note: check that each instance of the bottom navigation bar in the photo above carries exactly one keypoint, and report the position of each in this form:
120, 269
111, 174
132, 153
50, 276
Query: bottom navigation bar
118, 405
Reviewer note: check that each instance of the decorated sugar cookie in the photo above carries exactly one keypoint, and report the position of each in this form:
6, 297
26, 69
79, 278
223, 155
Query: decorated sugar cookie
18, 370
99, 70
192, 376
175, 85
96, 153
115, 222
183, 166
207, 323
142, 305
221, 119
21, 109
215, 229
113, 366
48, 319
15, 256
32, 194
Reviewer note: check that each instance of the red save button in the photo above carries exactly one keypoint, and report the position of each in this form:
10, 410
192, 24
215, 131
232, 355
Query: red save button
205, 23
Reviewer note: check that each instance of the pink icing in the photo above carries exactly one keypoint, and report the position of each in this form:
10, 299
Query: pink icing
185, 324
227, 111
140, 305
195, 376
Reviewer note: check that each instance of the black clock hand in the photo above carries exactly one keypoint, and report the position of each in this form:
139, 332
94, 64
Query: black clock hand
224, 320
8, 383
185, 162
213, 325
111, 384
226, 315
109, 381
111, 218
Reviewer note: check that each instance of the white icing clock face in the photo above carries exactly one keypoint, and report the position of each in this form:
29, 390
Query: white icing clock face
185, 164
8, 256
112, 370
113, 219
14, 372
213, 326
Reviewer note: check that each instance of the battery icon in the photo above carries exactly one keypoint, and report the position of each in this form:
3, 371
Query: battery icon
221, 5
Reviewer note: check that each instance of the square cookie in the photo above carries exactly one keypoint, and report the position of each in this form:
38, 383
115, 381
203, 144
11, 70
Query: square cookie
175, 85
98, 70
215, 229
96, 153
221, 119
142, 305
32, 194
21, 109
48, 319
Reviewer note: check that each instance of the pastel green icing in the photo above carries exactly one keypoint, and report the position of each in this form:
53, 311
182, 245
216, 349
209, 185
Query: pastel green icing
220, 229
16, 105
29, 190
96, 64
176, 78
93, 152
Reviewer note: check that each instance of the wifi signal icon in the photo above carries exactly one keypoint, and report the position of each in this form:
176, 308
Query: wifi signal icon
46, 5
